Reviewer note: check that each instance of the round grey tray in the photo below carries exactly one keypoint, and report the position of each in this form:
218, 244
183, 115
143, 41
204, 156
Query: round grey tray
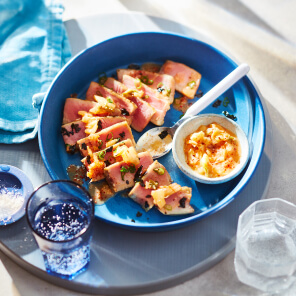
124, 261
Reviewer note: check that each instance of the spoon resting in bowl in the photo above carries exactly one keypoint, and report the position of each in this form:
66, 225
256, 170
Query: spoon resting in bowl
159, 140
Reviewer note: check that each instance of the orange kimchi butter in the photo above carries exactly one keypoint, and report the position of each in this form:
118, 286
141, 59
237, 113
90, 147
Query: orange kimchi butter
212, 150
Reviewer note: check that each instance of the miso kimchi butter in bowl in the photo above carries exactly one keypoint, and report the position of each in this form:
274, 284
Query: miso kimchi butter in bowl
210, 148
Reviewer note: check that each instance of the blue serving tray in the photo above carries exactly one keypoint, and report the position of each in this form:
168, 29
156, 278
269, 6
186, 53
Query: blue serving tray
124, 261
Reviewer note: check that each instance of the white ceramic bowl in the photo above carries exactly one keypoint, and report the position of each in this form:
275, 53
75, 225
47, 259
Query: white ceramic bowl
190, 126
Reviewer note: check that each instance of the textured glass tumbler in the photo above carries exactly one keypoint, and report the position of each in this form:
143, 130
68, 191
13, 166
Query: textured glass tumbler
60, 214
265, 254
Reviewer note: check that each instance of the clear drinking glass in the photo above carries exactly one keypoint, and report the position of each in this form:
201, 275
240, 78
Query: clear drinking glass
265, 254
60, 214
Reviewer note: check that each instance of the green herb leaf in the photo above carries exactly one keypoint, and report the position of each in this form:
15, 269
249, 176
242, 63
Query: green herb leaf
109, 137
101, 154
226, 102
159, 171
100, 144
191, 84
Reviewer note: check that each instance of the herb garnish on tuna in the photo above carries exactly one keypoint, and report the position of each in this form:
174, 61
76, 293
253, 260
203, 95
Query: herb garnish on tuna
182, 202
122, 135
88, 159
99, 125
83, 146
138, 174
74, 129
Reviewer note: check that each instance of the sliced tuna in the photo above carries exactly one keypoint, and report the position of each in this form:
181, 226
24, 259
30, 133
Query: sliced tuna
121, 175
106, 157
163, 83
151, 96
96, 142
187, 79
155, 176
73, 106
71, 133
94, 124
142, 115
144, 111
115, 85
126, 106
173, 199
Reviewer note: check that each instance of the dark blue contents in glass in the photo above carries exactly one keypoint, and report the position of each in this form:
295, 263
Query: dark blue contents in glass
60, 221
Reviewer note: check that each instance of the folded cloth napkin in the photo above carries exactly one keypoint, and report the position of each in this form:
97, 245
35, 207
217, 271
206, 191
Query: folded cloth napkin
33, 48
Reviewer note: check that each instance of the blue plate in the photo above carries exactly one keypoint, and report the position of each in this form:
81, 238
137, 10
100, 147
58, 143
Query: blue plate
140, 48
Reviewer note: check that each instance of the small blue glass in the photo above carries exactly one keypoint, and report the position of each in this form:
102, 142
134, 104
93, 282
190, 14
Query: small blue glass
60, 214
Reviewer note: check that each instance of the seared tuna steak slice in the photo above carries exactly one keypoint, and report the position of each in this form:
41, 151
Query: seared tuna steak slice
163, 83
72, 132
121, 175
73, 106
96, 142
173, 199
94, 124
143, 113
73, 109
115, 85
151, 96
96, 162
187, 79
155, 176
127, 107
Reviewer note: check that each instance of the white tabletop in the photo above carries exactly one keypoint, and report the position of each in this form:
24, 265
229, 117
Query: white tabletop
260, 33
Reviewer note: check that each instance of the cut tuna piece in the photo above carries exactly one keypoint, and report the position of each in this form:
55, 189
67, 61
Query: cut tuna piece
156, 175
72, 132
126, 106
144, 111
115, 85
173, 199
187, 79
73, 106
151, 96
121, 175
94, 124
96, 142
163, 83
142, 115
95, 171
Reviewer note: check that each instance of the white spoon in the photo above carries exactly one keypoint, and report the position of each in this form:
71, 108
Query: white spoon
158, 140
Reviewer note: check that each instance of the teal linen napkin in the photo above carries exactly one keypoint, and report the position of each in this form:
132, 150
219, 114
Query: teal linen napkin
33, 48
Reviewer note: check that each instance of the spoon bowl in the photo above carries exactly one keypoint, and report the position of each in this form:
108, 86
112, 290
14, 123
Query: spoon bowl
158, 141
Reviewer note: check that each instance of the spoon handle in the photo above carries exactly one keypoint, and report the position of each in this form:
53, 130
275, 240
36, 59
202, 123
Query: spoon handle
218, 90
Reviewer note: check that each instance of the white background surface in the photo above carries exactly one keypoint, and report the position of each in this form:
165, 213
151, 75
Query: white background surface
260, 33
